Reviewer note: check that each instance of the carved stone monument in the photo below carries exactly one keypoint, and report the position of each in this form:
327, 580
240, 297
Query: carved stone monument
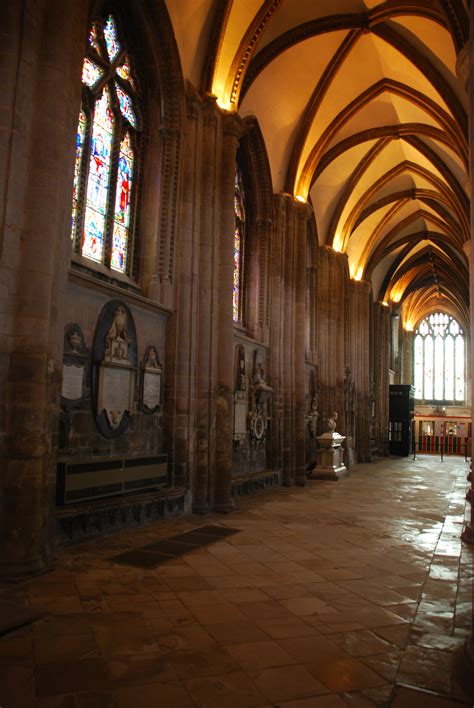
74, 367
151, 380
115, 366
329, 455
241, 398
260, 395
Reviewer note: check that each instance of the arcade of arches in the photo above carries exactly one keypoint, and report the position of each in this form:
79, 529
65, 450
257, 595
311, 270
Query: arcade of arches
222, 220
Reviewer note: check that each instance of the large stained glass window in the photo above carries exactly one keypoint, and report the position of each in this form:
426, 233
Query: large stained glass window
439, 359
239, 238
108, 133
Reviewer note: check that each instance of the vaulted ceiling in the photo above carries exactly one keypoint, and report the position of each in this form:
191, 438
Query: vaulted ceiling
363, 115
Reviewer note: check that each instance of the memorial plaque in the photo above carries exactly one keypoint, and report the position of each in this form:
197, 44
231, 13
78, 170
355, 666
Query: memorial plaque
73, 380
116, 388
114, 368
240, 418
151, 389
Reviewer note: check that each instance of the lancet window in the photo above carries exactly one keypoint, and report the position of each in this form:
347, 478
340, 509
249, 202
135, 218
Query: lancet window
239, 247
439, 359
107, 150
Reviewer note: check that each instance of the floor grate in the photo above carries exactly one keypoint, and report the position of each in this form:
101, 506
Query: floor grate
153, 554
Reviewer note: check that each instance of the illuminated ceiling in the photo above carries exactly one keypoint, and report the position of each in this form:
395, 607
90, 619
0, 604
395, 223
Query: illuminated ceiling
364, 116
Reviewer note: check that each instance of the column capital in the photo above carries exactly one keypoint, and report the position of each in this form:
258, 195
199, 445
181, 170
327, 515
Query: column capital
233, 124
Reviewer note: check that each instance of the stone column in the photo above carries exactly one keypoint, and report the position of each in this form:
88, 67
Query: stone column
40, 104
288, 336
381, 357
182, 327
331, 288
465, 68
468, 531
207, 176
358, 362
302, 214
232, 131
276, 335
406, 358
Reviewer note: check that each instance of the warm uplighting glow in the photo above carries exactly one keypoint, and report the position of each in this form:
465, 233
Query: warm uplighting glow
358, 275
409, 327
224, 104
299, 198
385, 303
396, 295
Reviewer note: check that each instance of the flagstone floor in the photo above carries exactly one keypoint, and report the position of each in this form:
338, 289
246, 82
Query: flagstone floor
350, 593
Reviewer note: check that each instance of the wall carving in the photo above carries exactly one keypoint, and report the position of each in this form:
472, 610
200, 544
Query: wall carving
260, 395
252, 395
114, 369
252, 399
74, 367
151, 380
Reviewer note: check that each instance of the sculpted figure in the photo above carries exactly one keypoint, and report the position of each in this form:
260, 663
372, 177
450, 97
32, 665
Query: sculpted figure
332, 422
117, 339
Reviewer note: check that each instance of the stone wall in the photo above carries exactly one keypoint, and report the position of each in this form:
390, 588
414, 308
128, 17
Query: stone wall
322, 344
80, 436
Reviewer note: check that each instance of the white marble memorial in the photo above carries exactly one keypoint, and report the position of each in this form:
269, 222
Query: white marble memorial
116, 392
73, 381
329, 454
329, 457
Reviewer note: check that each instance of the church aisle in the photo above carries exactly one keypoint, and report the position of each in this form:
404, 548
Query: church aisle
355, 593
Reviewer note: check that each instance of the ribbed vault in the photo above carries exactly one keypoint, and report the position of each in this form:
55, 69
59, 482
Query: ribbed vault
363, 115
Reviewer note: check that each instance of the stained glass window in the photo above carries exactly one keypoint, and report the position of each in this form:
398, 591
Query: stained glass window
122, 205
439, 359
239, 235
108, 135
124, 71
125, 105
91, 73
111, 40
80, 136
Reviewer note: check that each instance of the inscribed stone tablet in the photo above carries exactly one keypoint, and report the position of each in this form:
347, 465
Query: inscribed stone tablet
116, 388
240, 418
73, 378
151, 389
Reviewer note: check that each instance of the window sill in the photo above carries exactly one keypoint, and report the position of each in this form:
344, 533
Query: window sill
110, 289
99, 271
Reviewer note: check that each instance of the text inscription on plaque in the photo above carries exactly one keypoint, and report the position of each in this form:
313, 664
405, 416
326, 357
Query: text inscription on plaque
116, 389
151, 389
73, 378
240, 418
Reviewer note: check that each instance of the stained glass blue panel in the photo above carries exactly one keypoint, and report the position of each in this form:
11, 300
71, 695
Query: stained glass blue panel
91, 73
80, 135
111, 39
98, 179
126, 106
122, 206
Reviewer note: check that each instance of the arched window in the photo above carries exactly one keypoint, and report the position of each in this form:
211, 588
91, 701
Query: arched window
107, 147
439, 359
239, 244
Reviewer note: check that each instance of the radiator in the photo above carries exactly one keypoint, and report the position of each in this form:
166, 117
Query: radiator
85, 481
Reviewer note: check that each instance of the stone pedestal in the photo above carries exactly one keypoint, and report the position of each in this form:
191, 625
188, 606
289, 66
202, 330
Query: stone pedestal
329, 457
349, 456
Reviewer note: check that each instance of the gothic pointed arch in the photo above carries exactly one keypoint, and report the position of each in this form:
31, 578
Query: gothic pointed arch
254, 168
150, 33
